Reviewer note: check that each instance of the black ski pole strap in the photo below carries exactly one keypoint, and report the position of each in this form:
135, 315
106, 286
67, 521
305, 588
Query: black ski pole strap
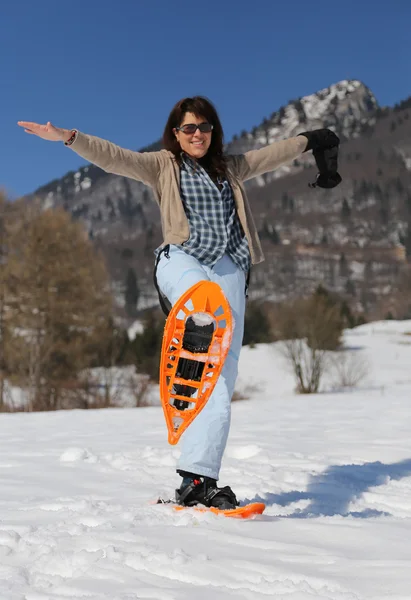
164, 302
247, 282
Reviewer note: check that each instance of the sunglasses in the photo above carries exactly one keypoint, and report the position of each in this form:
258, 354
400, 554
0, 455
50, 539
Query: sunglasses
191, 128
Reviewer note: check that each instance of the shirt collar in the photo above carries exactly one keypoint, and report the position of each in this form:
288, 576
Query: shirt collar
190, 162
195, 166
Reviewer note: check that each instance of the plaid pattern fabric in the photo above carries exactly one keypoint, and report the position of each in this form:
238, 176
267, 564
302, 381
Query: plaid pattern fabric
214, 224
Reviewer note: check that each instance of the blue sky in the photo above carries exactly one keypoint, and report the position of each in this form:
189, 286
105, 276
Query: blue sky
115, 69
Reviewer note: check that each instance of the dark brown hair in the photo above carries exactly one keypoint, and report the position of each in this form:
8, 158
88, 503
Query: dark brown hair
214, 161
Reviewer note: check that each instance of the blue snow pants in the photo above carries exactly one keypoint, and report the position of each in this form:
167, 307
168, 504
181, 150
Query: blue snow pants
203, 443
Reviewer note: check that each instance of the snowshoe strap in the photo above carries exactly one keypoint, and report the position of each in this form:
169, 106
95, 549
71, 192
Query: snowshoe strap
181, 496
226, 491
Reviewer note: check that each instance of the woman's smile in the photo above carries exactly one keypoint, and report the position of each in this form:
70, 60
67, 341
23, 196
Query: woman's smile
195, 144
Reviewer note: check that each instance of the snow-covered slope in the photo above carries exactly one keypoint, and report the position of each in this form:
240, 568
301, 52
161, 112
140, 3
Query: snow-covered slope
334, 469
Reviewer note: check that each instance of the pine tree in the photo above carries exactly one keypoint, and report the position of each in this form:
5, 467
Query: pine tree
131, 293
256, 325
350, 287
145, 349
344, 270
345, 209
266, 125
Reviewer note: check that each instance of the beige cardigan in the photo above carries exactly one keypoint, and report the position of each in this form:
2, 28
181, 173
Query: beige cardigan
160, 171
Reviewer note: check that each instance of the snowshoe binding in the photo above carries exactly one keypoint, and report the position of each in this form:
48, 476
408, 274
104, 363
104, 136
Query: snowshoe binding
203, 490
197, 338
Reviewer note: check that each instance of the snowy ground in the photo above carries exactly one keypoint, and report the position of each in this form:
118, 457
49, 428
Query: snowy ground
334, 469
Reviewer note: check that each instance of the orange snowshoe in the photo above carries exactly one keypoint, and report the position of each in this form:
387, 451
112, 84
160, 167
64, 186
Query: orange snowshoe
197, 337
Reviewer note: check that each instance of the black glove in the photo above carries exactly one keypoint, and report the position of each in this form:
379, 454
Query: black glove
324, 144
320, 139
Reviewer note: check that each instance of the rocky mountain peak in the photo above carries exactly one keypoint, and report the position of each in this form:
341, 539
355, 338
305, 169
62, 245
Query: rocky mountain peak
346, 107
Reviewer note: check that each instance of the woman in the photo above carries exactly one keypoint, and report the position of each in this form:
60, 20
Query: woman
209, 234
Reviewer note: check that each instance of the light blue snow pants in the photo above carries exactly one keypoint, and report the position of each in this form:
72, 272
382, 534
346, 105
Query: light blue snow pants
203, 443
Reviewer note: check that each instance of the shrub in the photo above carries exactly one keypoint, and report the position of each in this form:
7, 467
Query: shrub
145, 349
310, 327
256, 325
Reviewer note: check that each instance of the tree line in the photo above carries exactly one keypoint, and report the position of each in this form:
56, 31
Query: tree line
58, 316
56, 307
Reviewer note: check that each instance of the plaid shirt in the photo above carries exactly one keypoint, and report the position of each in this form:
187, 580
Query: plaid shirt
214, 224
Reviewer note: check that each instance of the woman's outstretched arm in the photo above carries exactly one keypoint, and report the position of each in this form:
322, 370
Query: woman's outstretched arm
256, 162
268, 158
142, 166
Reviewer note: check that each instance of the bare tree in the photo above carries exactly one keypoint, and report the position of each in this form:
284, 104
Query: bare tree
310, 328
113, 386
349, 367
139, 385
59, 304
398, 303
8, 273
308, 364
3, 277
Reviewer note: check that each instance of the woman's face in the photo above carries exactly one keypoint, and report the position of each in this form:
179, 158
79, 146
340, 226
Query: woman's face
195, 144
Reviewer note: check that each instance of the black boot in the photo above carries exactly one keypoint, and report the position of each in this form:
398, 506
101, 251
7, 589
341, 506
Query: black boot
197, 338
198, 489
198, 335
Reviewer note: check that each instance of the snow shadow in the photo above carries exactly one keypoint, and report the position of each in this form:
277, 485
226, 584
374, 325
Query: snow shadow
331, 492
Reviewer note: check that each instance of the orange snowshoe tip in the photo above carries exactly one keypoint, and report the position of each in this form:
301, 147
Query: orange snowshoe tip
241, 512
191, 362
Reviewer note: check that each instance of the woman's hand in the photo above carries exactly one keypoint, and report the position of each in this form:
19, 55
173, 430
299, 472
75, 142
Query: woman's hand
46, 132
320, 139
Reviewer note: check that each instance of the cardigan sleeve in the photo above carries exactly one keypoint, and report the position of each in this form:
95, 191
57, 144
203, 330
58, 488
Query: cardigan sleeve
142, 166
256, 162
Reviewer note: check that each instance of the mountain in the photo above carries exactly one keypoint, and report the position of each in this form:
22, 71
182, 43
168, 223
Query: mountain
354, 239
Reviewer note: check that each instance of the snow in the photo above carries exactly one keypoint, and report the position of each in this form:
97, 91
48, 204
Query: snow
202, 319
135, 328
86, 183
77, 522
48, 201
344, 101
